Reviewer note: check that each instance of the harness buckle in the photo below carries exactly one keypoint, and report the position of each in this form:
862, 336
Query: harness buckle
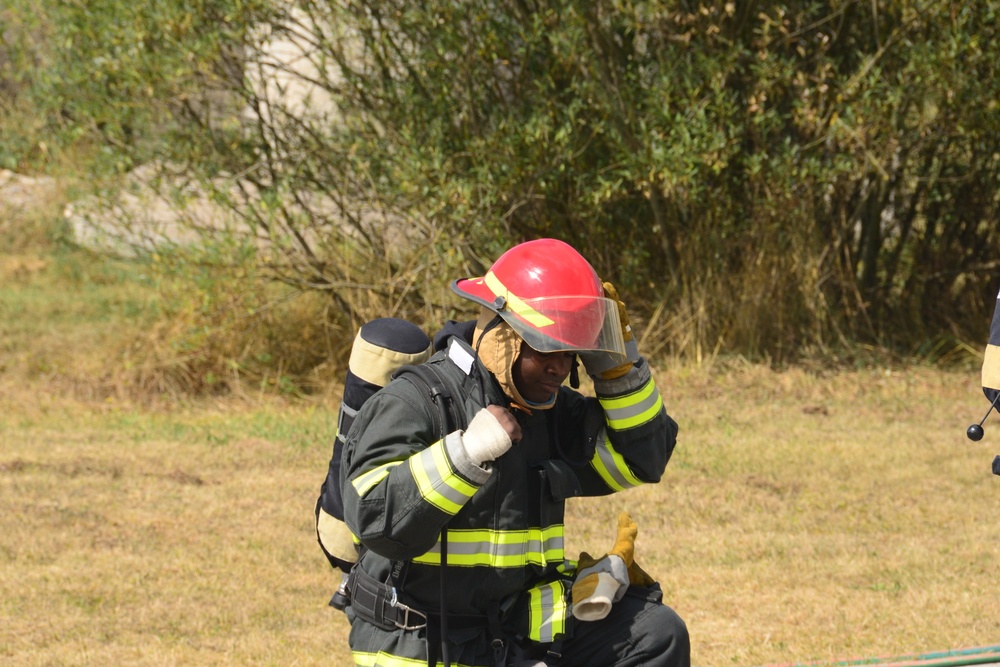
499, 652
407, 610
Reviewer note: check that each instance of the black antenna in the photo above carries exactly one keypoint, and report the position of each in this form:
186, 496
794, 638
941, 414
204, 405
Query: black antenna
975, 432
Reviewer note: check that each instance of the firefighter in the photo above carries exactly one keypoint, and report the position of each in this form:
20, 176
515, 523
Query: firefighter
991, 358
991, 380
461, 528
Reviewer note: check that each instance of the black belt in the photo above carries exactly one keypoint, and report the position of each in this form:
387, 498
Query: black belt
378, 603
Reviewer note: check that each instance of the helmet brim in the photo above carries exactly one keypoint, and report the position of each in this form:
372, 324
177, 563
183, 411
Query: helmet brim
475, 289
553, 323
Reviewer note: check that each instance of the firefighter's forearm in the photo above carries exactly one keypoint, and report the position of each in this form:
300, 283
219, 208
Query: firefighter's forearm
399, 511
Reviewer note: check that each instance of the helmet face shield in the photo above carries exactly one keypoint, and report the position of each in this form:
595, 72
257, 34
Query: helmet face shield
565, 323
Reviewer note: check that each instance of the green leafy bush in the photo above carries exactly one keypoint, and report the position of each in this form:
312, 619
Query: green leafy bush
769, 179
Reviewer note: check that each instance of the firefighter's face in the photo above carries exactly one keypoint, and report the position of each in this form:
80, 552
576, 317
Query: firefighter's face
538, 375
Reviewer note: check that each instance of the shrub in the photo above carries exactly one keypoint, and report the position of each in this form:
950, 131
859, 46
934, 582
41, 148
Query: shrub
769, 180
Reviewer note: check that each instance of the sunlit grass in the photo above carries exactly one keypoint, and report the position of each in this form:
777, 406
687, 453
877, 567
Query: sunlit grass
122, 546
813, 519
808, 518
805, 515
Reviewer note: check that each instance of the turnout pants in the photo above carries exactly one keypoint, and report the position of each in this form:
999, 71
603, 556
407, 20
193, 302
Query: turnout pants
640, 631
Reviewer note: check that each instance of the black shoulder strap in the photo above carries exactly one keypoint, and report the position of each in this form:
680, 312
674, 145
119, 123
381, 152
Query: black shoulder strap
429, 378
450, 414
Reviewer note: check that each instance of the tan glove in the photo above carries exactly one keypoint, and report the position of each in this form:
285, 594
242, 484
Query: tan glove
601, 582
608, 366
627, 336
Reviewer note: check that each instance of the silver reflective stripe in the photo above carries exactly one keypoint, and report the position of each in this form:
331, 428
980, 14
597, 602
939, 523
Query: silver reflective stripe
608, 463
487, 548
612, 466
626, 413
344, 421
436, 480
545, 634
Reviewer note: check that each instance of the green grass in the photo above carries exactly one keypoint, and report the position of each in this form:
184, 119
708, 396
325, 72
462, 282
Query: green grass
58, 310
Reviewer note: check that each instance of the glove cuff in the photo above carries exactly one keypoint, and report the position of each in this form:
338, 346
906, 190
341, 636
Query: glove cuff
600, 590
473, 471
608, 365
638, 374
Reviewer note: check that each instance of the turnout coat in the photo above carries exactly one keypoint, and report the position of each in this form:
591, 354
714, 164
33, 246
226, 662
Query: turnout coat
411, 495
991, 358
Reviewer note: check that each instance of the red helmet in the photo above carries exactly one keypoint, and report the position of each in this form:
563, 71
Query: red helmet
551, 296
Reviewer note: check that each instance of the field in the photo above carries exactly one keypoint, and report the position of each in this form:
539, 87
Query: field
802, 518
807, 515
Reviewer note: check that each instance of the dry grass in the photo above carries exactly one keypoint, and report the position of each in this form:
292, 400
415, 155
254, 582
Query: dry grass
802, 518
808, 518
155, 539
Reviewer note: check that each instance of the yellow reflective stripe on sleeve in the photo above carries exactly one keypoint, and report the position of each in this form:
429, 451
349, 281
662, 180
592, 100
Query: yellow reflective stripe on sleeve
437, 480
568, 567
612, 468
365, 482
633, 409
516, 305
547, 612
500, 548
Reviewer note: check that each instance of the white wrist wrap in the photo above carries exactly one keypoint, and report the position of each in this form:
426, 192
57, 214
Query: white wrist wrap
485, 439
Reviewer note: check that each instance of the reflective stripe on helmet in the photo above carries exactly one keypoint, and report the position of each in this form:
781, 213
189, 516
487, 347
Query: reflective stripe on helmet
516, 304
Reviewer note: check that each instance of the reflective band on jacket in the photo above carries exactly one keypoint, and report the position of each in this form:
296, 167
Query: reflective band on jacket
547, 612
516, 305
364, 483
437, 480
383, 659
635, 409
624, 412
499, 548
612, 468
